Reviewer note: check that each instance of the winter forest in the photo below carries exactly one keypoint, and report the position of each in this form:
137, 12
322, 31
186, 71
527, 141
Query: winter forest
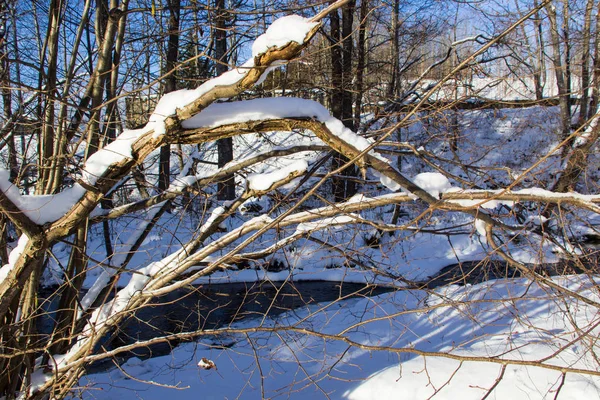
247, 199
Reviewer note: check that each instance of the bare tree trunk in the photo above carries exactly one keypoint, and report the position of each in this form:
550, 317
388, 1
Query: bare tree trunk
112, 114
336, 66
67, 307
6, 91
106, 22
585, 62
226, 188
55, 175
540, 74
595, 89
46, 142
567, 47
341, 98
170, 85
540, 66
114, 119
361, 61
393, 87
18, 314
3, 240
336, 95
347, 72
7, 100
20, 99
561, 78
535, 54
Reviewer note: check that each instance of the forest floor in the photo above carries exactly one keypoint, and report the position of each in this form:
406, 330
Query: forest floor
413, 343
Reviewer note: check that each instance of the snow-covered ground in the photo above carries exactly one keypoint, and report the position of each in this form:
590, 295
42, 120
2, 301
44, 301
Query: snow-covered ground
506, 319
508, 338
503, 320
496, 145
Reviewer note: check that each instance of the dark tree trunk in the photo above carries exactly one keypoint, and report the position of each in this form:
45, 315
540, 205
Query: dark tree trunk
7, 100
170, 85
336, 66
226, 188
347, 73
341, 95
567, 59
110, 23
67, 307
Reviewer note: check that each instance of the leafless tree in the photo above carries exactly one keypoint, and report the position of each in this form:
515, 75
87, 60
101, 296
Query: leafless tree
83, 163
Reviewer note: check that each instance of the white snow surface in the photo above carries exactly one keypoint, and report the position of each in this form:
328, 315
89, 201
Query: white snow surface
41, 209
527, 322
13, 256
265, 180
273, 108
277, 108
44, 209
508, 319
433, 183
291, 28
326, 222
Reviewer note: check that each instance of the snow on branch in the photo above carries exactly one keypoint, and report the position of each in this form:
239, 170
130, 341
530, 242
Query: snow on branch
156, 274
184, 183
283, 41
223, 120
289, 113
150, 281
63, 213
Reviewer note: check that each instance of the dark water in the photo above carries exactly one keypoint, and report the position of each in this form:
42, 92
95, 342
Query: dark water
219, 305
216, 306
